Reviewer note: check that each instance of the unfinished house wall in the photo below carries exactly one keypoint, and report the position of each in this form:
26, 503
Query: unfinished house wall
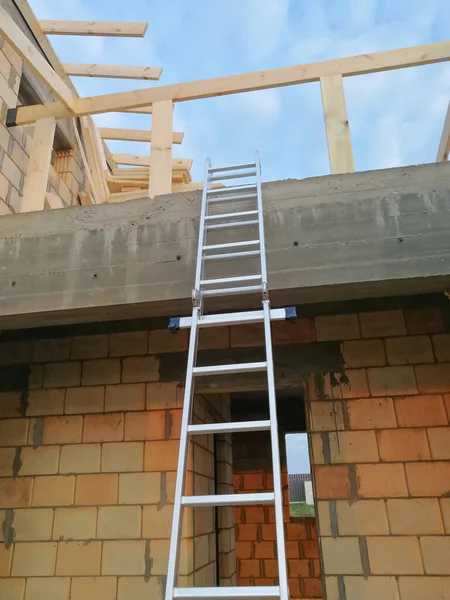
66, 177
255, 525
381, 449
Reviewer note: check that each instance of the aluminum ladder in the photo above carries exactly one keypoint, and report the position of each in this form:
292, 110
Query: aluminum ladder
211, 222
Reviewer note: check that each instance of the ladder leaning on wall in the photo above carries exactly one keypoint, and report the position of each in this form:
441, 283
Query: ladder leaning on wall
213, 221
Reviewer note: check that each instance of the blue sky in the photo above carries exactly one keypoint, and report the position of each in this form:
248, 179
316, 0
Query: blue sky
395, 118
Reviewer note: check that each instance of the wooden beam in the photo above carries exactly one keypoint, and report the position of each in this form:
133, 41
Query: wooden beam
35, 187
160, 181
444, 144
34, 59
112, 71
53, 201
235, 84
140, 160
144, 110
87, 170
135, 135
101, 28
336, 124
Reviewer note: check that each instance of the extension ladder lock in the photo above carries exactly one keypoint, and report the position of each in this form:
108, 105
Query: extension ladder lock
245, 245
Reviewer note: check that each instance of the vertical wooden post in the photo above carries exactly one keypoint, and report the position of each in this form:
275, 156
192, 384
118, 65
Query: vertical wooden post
444, 144
161, 149
38, 171
336, 123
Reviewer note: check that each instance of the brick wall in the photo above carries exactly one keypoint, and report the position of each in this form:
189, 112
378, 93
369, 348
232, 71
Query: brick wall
255, 526
381, 449
66, 177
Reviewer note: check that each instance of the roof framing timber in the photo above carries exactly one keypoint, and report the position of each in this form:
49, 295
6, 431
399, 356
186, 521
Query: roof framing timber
141, 160
234, 84
99, 28
134, 135
112, 71
444, 145
37, 63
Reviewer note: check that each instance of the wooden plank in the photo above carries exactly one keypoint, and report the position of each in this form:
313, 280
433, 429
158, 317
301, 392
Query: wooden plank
235, 84
53, 201
336, 124
444, 144
112, 71
160, 181
135, 135
143, 110
140, 160
38, 170
34, 59
100, 28
87, 170
95, 161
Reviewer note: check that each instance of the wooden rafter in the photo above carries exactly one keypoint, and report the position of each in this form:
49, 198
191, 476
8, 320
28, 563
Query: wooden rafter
140, 160
134, 135
112, 71
101, 28
38, 170
37, 63
444, 144
234, 84
161, 149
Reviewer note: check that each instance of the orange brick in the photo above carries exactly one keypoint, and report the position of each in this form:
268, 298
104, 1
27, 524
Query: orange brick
251, 334
403, 445
353, 446
13, 432
292, 549
55, 490
337, 327
243, 549
381, 481
96, 490
103, 428
78, 558
332, 482
253, 482
424, 320
162, 396
128, 343
383, 323
415, 516
394, 555
82, 400
441, 345
392, 381
250, 568
100, 588
125, 397
149, 425
364, 517
439, 439
254, 514
265, 550
351, 384
174, 418
364, 353
247, 532
310, 548
140, 368
341, 555
298, 568
418, 588
62, 430
45, 402
89, 346
409, 350
326, 416
428, 478
161, 341
35, 558
370, 413
420, 411
433, 379
293, 332
106, 370
15, 493
161, 456
447, 405
313, 588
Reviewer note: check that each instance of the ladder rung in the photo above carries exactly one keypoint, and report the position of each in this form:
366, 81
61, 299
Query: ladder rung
232, 245
232, 167
232, 198
245, 213
238, 318
233, 176
228, 593
232, 224
232, 255
231, 189
231, 279
236, 368
229, 499
246, 289
237, 427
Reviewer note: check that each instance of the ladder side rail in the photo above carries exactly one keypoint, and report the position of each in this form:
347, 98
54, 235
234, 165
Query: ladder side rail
202, 228
262, 247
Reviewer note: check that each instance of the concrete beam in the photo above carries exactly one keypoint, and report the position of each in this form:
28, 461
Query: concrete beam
339, 237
